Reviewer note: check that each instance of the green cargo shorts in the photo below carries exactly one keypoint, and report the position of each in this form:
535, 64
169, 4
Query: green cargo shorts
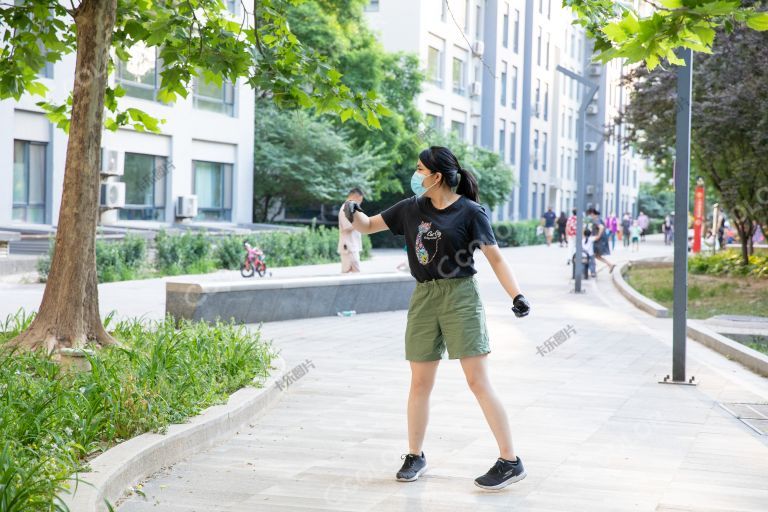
446, 313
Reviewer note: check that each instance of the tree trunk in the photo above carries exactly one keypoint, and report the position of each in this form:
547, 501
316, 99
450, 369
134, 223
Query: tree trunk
69, 314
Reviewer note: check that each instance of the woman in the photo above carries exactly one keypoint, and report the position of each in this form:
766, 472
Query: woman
443, 224
562, 220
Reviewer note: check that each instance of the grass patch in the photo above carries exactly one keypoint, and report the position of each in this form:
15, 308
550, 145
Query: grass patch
52, 422
708, 295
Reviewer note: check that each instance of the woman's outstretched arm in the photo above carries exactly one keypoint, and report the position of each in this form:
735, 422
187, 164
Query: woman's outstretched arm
367, 225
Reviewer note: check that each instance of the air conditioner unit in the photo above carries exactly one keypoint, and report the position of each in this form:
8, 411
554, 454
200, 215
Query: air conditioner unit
590, 190
112, 194
595, 69
475, 89
186, 207
478, 48
592, 108
110, 162
590, 146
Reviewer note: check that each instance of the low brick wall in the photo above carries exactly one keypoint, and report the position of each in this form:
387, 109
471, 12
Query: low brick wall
269, 300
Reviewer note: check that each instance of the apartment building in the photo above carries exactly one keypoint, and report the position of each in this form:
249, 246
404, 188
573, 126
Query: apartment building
199, 168
491, 67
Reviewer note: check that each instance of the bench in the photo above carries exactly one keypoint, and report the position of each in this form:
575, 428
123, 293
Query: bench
269, 300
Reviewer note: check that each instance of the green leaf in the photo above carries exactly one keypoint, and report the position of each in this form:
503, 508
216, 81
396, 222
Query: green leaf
672, 4
37, 88
758, 21
615, 32
346, 114
373, 120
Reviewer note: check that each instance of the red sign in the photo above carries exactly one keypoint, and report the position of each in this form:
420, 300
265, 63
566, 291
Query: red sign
698, 217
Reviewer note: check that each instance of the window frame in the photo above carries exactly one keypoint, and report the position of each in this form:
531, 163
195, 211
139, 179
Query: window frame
27, 205
224, 211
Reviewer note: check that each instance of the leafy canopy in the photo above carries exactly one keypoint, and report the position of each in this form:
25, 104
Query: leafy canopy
653, 33
194, 38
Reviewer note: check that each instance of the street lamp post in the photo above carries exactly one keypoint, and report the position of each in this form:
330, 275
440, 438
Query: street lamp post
591, 89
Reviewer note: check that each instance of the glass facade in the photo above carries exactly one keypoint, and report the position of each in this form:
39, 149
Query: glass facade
213, 187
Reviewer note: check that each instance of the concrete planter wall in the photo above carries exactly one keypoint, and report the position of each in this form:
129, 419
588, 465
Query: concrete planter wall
268, 300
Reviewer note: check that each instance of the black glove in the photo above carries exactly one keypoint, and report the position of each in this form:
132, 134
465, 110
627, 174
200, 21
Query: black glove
350, 207
520, 306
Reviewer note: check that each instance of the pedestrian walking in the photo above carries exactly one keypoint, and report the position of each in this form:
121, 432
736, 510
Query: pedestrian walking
589, 251
600, 238
350, 240
644, 222
443, 224
562, 220
570, 228
548, 221
612, 224
667, 228
626, 223
635, 233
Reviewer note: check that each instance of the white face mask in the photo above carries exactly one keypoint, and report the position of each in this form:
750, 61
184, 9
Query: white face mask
417, 184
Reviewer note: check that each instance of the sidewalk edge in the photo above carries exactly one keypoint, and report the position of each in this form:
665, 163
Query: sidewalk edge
124, 465
640, 301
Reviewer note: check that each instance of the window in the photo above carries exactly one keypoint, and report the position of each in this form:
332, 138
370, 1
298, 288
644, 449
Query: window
213, 97
634, 177
502, 141
534, 206
435, 66
561, 170
573, 45
140, 76
516, 32
373, 6
503, 97
546, 54
443, 10
213, 187
457, 127
479, 21
144, 178
546, 102
570, 123
475, 135
544, 152
541, 6
535, 149
538, 48
549, 9
459, 76
466, 15
29, 181
435, 122
512, 142
543, 197
570, 163
232, 5
562, 124
514, 86
505, 29
537, 98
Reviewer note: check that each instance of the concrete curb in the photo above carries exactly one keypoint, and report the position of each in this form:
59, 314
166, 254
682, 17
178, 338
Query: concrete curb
752, 359
124, 465
633, 296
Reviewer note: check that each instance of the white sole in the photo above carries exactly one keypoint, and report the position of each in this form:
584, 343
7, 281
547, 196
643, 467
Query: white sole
418, 474
503, 484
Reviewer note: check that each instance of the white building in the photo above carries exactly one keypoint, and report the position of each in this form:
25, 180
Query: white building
492, 77
205, 150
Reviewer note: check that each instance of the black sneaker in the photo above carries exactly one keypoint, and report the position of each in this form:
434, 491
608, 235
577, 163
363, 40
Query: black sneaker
413, 467
501, 475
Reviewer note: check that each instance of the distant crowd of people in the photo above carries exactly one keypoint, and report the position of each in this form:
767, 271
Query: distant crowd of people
600, 235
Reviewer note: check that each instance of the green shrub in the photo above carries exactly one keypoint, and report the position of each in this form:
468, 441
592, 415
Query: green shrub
115, 260
517, 234
729, 262
188, 253
285, 248
52, 421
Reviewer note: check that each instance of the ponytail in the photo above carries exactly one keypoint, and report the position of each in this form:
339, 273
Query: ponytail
441, 159
467, 185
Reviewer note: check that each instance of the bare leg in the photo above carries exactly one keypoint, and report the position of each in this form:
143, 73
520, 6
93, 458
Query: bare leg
476, 371
604, 260
422, 380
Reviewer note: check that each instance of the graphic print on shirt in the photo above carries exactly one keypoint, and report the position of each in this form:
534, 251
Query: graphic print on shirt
427, 241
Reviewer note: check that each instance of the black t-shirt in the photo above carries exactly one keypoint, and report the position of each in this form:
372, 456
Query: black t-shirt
440, 242
549, 219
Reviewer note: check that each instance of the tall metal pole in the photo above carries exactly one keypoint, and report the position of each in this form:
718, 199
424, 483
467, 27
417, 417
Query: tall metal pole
618, 175
682, 181
581, 129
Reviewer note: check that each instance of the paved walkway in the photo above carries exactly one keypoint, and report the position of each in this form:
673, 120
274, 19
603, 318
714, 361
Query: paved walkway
594, 428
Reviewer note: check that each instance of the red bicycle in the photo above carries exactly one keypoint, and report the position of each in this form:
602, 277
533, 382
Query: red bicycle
254, 262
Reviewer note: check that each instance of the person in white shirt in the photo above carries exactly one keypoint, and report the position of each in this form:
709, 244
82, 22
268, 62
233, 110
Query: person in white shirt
588, 246
350, 240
